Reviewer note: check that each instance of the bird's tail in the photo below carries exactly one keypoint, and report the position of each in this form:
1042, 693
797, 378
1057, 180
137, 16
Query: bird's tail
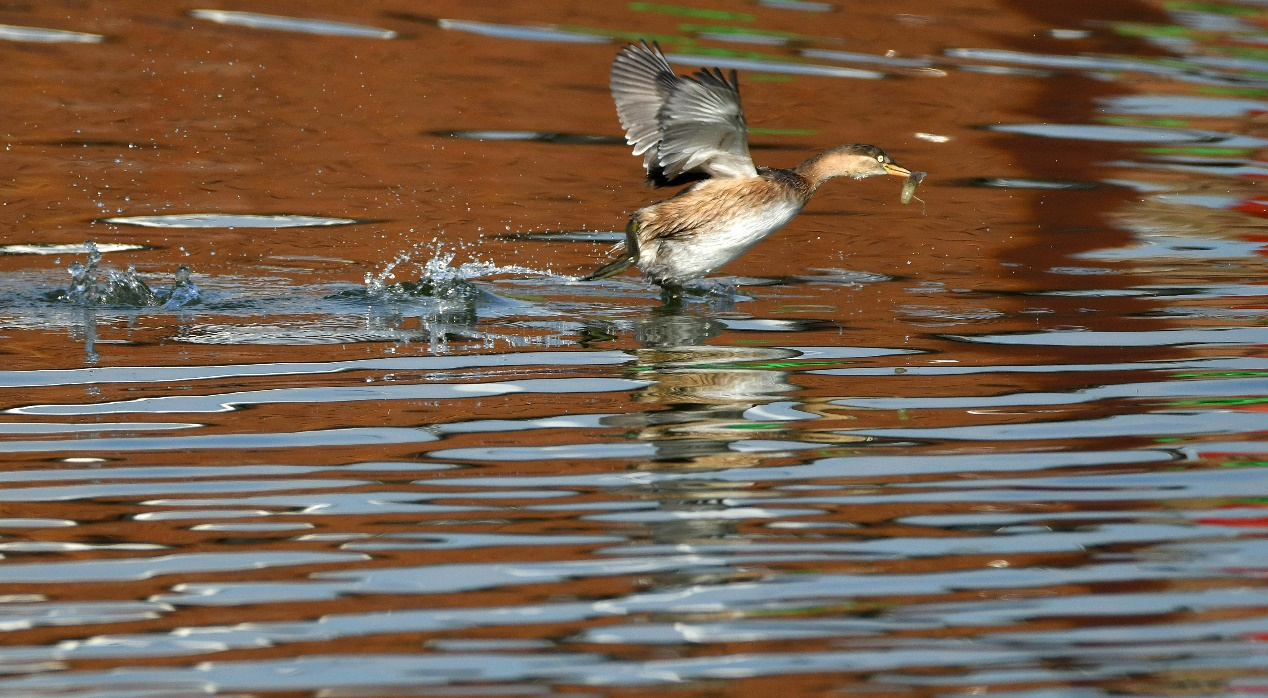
625, 261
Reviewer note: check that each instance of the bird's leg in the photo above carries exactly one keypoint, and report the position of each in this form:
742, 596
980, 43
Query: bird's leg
671, 295
623, 262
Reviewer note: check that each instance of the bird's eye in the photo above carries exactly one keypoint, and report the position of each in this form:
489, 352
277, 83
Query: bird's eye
880, 158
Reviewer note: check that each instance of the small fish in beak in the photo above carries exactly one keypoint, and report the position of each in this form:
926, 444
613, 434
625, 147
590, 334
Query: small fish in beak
909, 187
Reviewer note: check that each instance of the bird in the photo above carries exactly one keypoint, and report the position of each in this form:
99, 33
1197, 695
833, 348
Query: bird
691, 129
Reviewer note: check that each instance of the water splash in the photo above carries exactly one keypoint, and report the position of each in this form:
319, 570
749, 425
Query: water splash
183, 291
443, 297
122, 288
438, 276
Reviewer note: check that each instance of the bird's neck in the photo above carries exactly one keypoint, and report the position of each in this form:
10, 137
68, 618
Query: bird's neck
824, 166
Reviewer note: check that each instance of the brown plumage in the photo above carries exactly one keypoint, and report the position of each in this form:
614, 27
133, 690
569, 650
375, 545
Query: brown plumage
693, 128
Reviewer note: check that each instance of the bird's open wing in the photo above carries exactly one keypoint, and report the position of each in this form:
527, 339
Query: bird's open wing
641, 81
681, 125
702, 128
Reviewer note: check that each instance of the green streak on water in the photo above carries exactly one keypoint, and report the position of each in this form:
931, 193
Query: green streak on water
833, 609
1137, 121
1221, 401
741, 31
679, 10
747, 55
1244, 464
1198, 150
771, 364
1177, 5
1240, 91
1221, 374
1251, 52
1137, 29
630, 36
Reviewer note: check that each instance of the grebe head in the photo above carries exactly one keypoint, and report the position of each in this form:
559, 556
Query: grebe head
858, 160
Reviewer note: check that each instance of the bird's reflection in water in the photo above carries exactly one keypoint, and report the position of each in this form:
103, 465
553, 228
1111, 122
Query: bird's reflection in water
705, 389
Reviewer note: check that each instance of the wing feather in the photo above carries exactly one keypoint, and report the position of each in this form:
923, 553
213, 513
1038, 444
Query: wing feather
641, 80
680, 125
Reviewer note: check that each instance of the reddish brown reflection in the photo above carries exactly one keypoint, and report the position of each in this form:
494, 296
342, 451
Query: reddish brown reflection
174, 115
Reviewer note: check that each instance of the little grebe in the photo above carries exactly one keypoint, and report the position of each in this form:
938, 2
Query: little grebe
692, 128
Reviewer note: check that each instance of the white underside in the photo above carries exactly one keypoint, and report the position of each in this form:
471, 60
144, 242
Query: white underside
677, 260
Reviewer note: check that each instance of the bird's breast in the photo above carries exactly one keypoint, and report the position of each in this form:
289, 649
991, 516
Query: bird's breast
680, 241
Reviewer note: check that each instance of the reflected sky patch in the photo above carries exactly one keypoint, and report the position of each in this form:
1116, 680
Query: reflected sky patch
255, 20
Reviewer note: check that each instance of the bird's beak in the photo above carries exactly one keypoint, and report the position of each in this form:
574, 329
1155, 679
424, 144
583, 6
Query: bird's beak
896, 170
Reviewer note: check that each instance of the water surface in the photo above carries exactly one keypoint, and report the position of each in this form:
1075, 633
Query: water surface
323, 410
